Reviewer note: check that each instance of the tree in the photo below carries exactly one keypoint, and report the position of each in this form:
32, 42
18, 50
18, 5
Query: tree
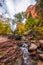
31, 22
7, 29
20, 16
1, 27
4, 28
20, 28
39, 8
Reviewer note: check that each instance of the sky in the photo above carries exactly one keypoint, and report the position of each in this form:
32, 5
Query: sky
14, 6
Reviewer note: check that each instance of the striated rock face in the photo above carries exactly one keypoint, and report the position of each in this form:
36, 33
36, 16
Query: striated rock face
9, 51
31, 10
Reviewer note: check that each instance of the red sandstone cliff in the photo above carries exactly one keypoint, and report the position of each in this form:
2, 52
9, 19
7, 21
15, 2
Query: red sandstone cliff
31, 10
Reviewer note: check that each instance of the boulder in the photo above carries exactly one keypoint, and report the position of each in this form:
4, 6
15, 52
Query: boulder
32, 46
41, 56
32, 49
41, 44
33, 53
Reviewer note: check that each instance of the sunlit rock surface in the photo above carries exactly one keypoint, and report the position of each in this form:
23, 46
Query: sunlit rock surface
31, 11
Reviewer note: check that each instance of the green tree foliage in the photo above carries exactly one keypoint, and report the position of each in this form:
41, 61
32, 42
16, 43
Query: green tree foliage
4, 28
39, 8
20, 16
7, 29
31, 22
40, 2
20, 28
1, 27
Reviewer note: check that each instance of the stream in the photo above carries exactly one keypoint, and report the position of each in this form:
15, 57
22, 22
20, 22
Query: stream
25, 56
25, 59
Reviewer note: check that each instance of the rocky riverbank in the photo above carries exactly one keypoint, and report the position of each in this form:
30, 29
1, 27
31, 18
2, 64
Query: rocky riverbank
11, 53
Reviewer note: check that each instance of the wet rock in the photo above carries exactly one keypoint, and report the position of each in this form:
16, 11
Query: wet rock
17, 37
41, 56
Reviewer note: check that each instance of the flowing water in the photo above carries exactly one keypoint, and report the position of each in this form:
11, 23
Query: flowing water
26, 57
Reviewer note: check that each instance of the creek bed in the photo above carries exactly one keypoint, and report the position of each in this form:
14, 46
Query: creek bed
26, 59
